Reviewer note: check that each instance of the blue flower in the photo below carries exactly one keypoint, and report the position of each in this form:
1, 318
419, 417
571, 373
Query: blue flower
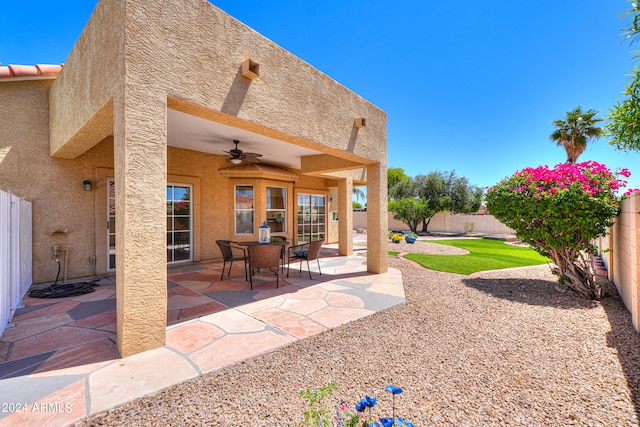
393, 390
371, 401
367, 402
386, 422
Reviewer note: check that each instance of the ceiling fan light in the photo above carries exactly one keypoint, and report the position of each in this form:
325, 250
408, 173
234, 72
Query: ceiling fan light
235, 161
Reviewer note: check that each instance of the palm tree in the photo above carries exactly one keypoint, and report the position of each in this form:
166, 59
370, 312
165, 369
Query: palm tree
575, 131
358, 192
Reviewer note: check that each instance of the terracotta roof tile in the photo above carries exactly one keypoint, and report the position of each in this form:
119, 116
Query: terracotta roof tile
13, 70
49, 69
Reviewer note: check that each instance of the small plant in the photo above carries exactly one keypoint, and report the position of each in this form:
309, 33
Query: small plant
396, 237
318, 414
469, 226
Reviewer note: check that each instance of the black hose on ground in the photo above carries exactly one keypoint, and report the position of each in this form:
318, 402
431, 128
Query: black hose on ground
64, 290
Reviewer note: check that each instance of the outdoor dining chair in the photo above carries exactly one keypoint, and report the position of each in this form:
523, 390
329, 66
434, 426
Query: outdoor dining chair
227, 247
264, 256
305, 252
281, 239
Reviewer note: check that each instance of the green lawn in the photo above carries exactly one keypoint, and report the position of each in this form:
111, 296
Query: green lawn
483, 255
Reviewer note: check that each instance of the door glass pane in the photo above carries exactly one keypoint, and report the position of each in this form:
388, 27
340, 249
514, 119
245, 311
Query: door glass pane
182, 223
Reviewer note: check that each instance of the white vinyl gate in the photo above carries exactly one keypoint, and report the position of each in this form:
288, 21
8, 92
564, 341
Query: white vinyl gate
15, 254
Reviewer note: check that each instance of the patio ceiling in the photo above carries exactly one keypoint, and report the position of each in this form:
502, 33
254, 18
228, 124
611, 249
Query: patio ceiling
194, 133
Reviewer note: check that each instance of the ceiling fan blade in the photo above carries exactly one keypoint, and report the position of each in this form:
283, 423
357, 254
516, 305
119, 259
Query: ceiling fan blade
247, 155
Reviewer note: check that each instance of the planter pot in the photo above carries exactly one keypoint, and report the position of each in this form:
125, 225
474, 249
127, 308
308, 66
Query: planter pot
410, 239
396, 241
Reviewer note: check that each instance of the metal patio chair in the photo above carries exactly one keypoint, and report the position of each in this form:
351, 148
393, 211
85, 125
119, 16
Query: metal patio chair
305, 252
227, 247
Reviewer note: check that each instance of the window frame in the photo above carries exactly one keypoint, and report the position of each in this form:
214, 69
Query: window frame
284, 209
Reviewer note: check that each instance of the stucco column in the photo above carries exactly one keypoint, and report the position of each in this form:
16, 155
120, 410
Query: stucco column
140, 157
345, 217
377, 218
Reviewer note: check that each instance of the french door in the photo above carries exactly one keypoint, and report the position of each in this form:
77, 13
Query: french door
311, 217
179, 223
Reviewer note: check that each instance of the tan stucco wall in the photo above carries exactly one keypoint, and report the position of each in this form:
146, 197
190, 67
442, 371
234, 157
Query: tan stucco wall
623, 258
54, 186
192, 51
81, 106
60, 202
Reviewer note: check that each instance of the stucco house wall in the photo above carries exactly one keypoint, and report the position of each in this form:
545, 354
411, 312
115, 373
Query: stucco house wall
67, 216
106, 115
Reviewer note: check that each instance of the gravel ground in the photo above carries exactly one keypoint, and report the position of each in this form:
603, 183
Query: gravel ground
503, 349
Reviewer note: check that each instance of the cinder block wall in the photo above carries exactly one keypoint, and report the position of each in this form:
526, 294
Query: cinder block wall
622, 259
445, 223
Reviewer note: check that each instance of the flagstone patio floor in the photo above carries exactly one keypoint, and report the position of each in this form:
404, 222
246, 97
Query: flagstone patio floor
60, 363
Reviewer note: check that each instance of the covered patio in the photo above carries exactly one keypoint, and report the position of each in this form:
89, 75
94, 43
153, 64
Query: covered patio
172, 125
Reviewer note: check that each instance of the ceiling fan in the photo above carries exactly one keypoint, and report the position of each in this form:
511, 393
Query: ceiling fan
236, 156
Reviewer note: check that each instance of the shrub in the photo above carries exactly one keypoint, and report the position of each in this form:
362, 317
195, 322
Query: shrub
559, 212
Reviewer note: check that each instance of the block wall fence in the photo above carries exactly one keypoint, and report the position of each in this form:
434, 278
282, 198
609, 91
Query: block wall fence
623, 256
445, 223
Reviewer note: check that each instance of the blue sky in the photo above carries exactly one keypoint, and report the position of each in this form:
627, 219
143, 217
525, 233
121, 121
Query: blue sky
467, 85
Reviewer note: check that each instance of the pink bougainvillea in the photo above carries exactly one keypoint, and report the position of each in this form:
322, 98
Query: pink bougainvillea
559, 211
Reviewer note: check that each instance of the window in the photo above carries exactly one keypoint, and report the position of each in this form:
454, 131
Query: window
311, 217
244, 209
277, 209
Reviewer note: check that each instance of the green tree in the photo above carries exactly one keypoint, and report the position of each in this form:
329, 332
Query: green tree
465, 197
394, 177
624, 118
410, 210
560, 212
434, 188
420, 198
575, 131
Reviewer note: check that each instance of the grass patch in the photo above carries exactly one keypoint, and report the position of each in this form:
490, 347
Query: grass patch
483, 255
391, 253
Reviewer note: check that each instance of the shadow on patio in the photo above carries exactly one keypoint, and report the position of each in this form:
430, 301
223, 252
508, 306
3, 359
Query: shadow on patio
52, 334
